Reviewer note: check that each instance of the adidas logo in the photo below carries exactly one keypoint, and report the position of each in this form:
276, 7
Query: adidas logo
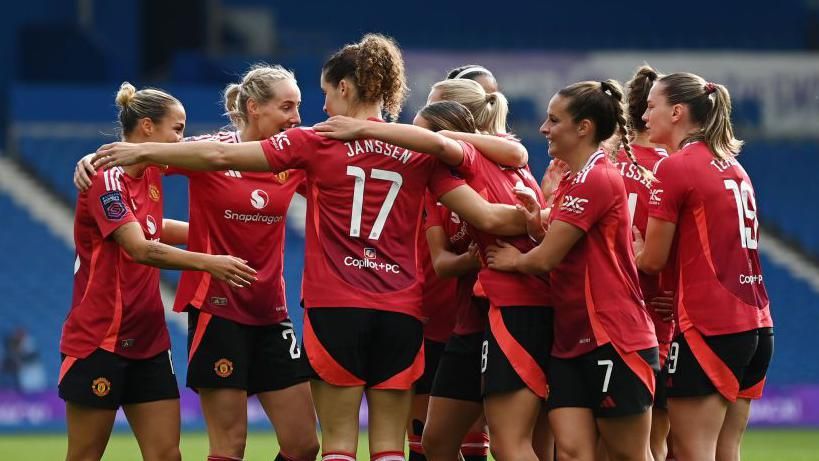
233, 174
608, 402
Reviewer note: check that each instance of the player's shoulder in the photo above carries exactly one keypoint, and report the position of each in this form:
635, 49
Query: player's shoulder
597, 168
647, 155
108, 180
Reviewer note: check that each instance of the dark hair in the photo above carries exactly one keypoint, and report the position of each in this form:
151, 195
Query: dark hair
147, 102
637, 96
710, 107
469, 71
375, 67
601, 103
448, 115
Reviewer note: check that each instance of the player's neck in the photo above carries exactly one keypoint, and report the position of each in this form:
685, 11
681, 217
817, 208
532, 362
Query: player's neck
250, 133
135, 171
680, 134
641, 139
580, 156
364, 112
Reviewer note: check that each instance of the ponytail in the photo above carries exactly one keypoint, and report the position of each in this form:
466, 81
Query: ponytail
135, 105
718, 132
612, 88
602, 103
375, 66
490, 110
637, 97
709, 106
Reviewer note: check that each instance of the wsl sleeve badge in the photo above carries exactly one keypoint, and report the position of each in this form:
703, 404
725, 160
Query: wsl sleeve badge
113, 206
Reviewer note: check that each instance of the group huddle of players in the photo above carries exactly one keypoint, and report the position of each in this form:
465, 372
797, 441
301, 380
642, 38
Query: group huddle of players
586, 316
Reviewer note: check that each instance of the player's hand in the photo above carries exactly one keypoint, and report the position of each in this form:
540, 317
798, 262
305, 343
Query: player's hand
530, 207
118, 154
503, 257
341, 127
473, 253
663, 304
83, 172
551, 178
230, 269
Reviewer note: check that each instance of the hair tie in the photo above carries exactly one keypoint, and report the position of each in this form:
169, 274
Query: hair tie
471, 69
710, 88
606, 88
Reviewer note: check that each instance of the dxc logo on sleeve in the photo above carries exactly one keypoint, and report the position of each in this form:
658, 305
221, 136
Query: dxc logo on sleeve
573, 204
655, 197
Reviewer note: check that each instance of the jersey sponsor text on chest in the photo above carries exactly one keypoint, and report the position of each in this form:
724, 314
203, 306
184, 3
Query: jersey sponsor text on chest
231, 215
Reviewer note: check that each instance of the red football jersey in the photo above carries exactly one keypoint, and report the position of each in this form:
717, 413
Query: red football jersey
638, 188
116, 304
242, 214
719, 287
444, 297
364, 204
495, 183
597, 297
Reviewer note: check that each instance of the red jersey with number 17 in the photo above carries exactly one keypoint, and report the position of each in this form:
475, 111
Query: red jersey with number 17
719, 287
242, 214
445, 298
116, 304
364, 204
598, 299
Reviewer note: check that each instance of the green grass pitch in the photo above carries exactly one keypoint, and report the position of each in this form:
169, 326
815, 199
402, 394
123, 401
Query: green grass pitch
758, 445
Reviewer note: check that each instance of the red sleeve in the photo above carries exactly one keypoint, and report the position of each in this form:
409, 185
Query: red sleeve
668, 193
433, 215
288, 150
108, 202
443, 180
470, 165
584, 203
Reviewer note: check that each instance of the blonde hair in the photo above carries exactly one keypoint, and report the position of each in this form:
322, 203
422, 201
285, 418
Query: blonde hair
257, 84
710, 107
490, 110
376, 68
134, 105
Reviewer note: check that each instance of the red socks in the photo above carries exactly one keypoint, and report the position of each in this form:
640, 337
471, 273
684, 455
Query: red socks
388, 456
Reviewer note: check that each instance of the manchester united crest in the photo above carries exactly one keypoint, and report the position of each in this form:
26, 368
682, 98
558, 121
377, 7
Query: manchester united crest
282, 177
223, 368
153, 192
101, 387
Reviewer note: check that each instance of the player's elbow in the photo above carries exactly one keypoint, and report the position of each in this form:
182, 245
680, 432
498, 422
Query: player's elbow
489, 223
650, 266
442, 270
138, 251
519, 156
220, 159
